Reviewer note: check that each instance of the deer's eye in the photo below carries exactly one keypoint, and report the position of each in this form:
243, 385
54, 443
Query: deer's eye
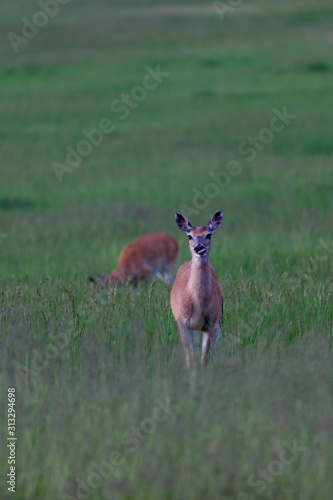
208, 236
190, 237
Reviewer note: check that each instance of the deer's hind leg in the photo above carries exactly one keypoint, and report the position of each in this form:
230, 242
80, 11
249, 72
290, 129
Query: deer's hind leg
164, 274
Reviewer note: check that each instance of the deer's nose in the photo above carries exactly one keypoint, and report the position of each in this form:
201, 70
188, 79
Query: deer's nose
199, 248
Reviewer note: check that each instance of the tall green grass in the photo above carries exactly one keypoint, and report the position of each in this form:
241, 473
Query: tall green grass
100, 378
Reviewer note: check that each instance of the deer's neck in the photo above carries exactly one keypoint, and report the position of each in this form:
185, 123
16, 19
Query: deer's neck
200, 279
116, 275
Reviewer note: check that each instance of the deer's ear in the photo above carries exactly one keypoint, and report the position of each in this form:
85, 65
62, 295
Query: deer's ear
182, 222
216, 220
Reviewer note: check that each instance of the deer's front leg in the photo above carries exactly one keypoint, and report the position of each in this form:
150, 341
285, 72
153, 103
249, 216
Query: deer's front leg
206, 342
186, 336
209, 340
215, 336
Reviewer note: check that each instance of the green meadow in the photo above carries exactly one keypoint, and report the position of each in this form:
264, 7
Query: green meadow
114, 115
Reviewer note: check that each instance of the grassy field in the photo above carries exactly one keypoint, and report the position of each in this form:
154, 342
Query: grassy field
237, 116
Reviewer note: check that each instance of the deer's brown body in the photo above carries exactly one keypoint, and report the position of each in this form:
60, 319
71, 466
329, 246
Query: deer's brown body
151, 253
196, 296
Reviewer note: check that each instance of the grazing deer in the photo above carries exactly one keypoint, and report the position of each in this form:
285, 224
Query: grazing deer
153, 253
196, 296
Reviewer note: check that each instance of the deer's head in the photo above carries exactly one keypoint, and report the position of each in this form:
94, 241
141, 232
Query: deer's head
200, 236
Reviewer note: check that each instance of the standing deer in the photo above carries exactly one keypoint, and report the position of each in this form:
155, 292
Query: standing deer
153, 253
196, 296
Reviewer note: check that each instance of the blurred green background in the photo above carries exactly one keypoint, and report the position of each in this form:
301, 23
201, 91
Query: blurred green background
227, 73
